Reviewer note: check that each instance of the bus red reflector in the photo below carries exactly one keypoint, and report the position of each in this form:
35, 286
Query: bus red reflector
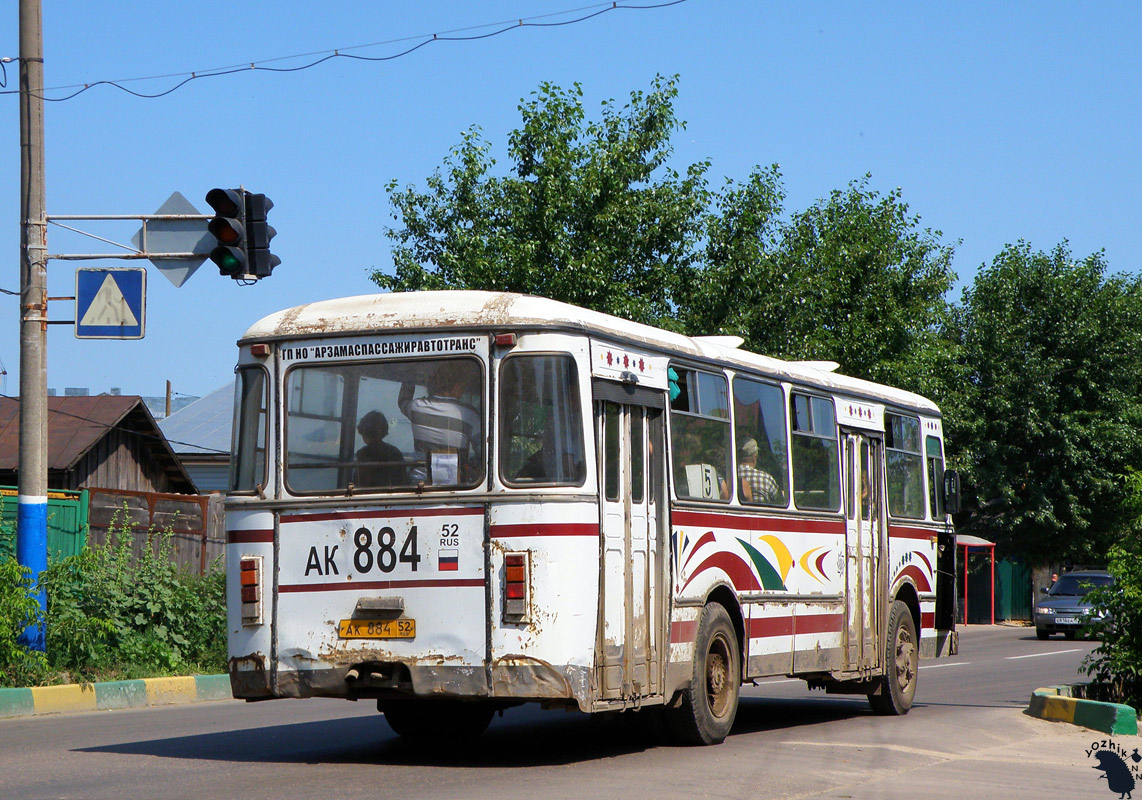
505, 339
515, 587
249, 577
249, 594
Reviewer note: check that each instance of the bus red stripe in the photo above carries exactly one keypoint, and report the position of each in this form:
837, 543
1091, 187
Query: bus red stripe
765, 627
905, 532
357, 586
545, 529
263, 536
756, 523
465, 511
683, 631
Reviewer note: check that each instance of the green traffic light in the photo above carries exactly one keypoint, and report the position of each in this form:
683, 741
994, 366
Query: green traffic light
230, 260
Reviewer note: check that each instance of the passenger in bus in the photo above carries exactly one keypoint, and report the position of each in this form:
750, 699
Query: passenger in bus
757, 486
443, 427
378, 462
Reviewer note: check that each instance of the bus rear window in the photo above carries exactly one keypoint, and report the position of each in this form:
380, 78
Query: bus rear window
541, 422
384, 426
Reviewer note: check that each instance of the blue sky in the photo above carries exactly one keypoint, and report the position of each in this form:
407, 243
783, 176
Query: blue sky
998, 121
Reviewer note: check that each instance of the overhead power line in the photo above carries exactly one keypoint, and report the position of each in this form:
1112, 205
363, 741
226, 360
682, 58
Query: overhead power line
453, 35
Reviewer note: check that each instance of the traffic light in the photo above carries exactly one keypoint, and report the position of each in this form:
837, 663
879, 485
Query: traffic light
261, 261
229, 228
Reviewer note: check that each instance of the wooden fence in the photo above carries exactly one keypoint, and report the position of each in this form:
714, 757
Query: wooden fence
197, 523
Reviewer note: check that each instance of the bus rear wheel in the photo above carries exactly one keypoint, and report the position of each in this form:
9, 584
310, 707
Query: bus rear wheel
436, 719
897, 686
705, 710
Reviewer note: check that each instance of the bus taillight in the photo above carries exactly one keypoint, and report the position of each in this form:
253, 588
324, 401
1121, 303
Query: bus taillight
515, 587
251, 582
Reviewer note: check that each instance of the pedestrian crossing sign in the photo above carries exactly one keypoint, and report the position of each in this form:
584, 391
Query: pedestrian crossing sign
110, 303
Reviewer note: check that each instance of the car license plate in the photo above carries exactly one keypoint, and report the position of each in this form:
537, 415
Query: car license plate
377, 629
1067, 620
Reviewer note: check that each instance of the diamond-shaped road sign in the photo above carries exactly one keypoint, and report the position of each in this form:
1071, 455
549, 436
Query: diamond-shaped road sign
110, 303
176, 236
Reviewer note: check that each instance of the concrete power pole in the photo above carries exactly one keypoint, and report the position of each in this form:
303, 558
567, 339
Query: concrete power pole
32, 511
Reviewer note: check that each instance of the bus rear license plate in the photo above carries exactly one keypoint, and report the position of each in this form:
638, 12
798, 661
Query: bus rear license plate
377, 628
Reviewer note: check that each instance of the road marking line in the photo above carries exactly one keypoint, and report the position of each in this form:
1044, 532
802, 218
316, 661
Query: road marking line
953, 664
1052, 653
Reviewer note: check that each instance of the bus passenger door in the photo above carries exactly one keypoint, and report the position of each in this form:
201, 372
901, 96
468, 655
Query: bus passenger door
864, 604
629, 660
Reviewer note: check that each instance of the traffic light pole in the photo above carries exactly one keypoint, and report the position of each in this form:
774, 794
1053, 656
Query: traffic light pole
32, 508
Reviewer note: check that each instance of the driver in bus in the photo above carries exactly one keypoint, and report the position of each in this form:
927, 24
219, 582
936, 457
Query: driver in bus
443, 426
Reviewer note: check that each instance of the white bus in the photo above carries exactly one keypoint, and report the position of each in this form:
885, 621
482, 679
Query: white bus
456, 502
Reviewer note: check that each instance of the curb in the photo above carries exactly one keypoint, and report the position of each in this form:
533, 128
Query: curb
1055, 703
109, 695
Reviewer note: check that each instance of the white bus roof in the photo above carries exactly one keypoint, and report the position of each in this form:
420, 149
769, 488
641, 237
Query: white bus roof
507, 312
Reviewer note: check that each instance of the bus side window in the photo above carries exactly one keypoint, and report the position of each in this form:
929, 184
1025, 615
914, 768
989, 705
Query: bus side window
935, 476
700, 436
816, 472
904, 465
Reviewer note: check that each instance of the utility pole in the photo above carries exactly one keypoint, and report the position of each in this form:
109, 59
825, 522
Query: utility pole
32, 510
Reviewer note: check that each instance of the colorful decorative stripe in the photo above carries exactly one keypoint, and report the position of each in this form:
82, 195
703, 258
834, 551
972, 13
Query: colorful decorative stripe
733, 565
916, 574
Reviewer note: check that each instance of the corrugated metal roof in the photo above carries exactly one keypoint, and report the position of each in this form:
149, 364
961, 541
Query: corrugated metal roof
203, 427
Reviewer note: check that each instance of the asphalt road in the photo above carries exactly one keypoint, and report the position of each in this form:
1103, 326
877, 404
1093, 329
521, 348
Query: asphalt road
966, 737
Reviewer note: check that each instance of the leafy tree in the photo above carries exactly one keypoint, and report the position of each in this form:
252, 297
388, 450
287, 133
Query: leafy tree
590, 213
1052, 348
852, 279
1117, 661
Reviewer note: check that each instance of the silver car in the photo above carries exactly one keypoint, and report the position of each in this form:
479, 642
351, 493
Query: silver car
1064, 608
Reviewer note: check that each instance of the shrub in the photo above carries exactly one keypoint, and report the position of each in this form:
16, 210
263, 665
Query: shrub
18, 609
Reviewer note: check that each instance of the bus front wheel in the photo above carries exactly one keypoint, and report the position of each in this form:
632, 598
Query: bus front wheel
897, 686
705, 711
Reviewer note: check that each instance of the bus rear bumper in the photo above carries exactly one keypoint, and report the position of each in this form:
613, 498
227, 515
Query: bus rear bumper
511, 679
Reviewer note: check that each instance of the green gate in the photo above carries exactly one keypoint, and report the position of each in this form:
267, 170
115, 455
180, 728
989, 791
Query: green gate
67, 522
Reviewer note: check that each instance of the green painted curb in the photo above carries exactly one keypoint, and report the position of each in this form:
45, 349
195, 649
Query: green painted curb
1055, 703
16, 702
111, 695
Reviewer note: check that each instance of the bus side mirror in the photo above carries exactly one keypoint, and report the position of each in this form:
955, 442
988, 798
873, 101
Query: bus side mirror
951, 491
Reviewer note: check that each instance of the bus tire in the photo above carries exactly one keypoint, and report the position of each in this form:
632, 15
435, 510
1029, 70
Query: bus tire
436, 719
705, 710
897, 687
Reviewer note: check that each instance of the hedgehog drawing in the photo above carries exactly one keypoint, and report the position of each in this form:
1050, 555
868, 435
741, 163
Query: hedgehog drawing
1117, 774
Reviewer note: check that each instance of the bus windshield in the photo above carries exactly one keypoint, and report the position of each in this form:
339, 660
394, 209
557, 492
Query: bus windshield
384, 426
